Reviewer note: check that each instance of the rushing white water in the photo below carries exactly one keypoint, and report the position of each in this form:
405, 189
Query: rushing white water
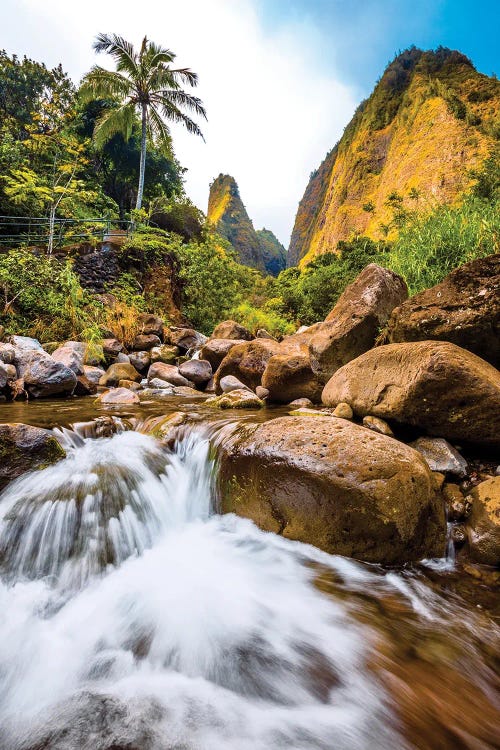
132, 616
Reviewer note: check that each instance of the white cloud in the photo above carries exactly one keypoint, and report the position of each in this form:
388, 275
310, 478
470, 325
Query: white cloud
274, 108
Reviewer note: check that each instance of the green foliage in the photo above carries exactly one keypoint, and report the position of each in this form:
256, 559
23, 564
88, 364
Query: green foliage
144, 84
213, 282
254, 318
429, 246
308, 295
43, 297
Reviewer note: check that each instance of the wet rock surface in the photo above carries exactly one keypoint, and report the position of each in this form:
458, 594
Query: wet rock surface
463, 309
436, 386
328, 482
25, 448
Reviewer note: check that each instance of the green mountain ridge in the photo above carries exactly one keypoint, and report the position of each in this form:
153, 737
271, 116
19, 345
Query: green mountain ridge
226, 212
431, 122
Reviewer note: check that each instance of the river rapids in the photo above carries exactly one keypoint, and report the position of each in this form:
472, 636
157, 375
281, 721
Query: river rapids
134, 617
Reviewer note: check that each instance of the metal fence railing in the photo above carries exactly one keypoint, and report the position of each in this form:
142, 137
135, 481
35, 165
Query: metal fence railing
36, 230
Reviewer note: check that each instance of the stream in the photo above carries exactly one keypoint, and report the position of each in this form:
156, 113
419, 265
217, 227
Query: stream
134, 617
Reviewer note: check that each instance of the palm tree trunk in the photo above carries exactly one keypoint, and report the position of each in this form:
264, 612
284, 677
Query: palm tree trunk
142, 165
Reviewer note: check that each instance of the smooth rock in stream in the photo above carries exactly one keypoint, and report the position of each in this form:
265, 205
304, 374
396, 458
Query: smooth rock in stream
169, 373
288, 375
247, 362
230, 383
331, 483
441, 456
240, 398
140, 360
119, 396
198, 371
214, 350
117, 372
71, 354
25, 448
483, 524
94, 374
433, 385
42, 375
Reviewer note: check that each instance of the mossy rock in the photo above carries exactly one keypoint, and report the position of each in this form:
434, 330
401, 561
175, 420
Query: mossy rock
25, 448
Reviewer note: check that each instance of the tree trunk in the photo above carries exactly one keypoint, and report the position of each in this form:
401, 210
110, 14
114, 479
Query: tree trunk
52, 218
142, 165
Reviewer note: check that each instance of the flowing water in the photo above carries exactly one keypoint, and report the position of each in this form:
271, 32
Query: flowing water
134, 617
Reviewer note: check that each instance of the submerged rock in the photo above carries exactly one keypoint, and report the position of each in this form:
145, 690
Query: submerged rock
25, 448
334, 484
433, 385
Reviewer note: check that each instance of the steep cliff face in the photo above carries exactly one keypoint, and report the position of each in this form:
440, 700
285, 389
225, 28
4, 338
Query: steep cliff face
431, 120
229, 216
273, 252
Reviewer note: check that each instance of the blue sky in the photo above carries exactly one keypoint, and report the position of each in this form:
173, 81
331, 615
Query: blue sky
359, 37
280, 78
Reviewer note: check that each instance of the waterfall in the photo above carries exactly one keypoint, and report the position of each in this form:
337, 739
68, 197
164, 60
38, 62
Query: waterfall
133, 616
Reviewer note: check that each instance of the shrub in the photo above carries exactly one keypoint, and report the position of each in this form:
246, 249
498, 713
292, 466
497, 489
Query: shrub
430, 246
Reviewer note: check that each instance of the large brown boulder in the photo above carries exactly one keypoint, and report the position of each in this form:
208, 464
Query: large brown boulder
230, 329
433, 385
117, 372
25, 448
464, 309
354, 323
483, 524
214, 350
289, 376
247, 362
42, 375
334, 484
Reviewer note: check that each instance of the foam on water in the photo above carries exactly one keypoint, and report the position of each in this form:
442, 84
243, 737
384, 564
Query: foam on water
131, 615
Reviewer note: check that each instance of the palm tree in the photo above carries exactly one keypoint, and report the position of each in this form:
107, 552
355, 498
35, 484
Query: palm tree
143, 82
